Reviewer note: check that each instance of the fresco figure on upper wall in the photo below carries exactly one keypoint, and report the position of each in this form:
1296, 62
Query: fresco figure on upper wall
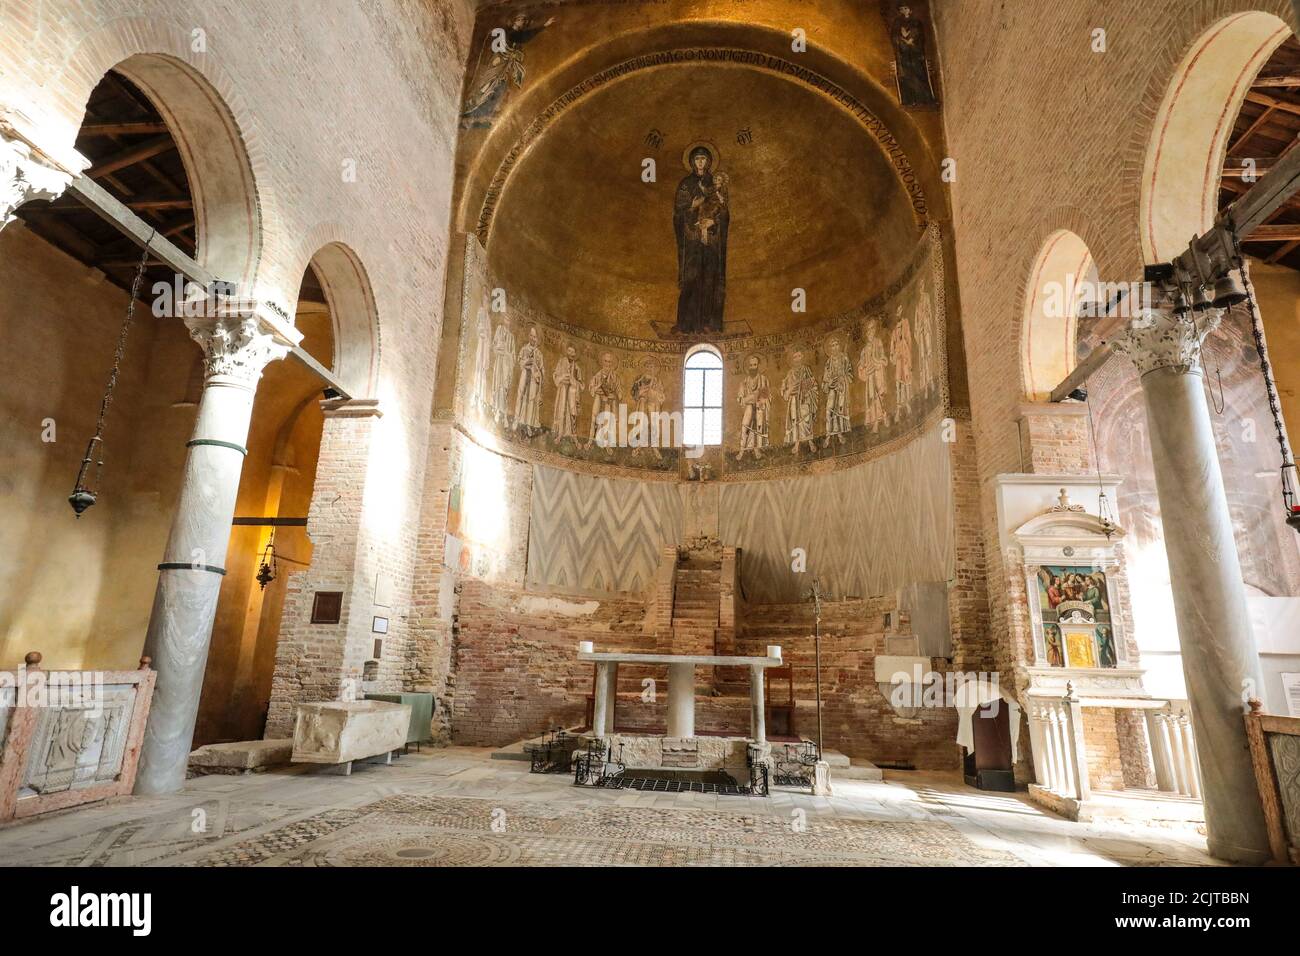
925, 333
503, 367
871, 370
503, 49
568, 391
528, 396
649, 394
479, 398
837, 379
755, 397
800, 393
606, 392
701, 219
900, 345
907, 34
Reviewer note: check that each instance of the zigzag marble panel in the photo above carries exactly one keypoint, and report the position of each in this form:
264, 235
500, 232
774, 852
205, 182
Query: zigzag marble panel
601, 534
866, 530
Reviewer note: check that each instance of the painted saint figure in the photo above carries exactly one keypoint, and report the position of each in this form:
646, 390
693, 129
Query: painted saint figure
925, 333
900, 347
528, 395
799, 389
871, 370
1052, 638
913, 73
504, 67
701, 218
606, 390
479, 397
837, 379
1106, 647
503, 367
755, 397
568, 389
649, 395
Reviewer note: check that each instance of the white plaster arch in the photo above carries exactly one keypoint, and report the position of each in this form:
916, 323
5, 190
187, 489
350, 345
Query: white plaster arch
1063, 277
354, 317
1185, 154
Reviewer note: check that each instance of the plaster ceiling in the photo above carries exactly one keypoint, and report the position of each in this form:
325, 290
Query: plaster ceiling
814, 202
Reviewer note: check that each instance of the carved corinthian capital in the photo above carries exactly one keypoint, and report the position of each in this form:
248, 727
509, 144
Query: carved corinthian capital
1157, 338
235, 348
26, 174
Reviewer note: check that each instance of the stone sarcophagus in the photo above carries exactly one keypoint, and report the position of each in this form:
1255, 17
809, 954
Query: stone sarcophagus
69, 737
340, 731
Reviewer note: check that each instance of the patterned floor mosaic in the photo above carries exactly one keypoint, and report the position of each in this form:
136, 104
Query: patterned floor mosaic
457, 807
425, 830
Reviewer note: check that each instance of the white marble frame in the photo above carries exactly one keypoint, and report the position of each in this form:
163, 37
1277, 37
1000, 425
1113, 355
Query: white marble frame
1044, 540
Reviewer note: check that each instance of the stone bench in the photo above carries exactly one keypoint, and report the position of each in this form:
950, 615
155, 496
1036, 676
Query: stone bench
338, 732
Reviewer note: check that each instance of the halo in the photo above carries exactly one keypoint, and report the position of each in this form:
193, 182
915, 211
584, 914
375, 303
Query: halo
714, 155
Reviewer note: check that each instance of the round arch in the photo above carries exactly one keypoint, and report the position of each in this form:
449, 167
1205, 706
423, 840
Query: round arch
1063, 278
354, 317
743, 45
1185, 153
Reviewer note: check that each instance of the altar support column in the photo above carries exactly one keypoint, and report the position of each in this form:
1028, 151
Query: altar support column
757, 717
681, 700
236, 349
1220, 659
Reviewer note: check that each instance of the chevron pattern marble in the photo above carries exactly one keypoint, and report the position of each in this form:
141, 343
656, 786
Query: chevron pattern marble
866, 530
599, 533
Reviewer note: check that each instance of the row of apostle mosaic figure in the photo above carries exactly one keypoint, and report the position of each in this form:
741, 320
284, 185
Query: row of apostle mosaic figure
498, 366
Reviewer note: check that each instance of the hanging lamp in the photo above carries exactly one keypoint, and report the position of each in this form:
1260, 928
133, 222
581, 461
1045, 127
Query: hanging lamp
85, 494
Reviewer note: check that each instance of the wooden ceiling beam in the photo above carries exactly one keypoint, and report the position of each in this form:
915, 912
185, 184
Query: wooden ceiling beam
1263, 99
142, 128
131, 156
1275, 232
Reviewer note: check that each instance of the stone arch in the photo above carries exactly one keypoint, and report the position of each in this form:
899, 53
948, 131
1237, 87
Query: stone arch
214, 131
354, 315
1188, 140
1060, 280
744, 45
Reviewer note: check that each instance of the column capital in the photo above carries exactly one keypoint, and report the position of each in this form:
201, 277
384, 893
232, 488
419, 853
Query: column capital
27, 172
235, 348
1157, 338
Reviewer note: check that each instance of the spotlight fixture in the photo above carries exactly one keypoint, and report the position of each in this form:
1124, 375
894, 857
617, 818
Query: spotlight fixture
1080, 394
330, 392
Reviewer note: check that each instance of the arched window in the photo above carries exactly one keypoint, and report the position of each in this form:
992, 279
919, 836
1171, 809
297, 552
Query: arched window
702, 397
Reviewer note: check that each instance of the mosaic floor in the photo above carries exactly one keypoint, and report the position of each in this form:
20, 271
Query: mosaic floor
458, 807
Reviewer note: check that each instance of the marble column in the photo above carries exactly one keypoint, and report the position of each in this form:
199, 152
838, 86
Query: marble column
28, 173
681, 700
1220, 659
600, 706
757, 706
236, 349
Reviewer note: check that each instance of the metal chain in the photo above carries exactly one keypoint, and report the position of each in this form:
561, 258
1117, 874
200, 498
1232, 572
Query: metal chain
120, 351
1274, 403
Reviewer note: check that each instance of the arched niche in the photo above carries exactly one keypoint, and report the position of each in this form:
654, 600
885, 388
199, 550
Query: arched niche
353, 350
1062, 280
1184, 158
226, 212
